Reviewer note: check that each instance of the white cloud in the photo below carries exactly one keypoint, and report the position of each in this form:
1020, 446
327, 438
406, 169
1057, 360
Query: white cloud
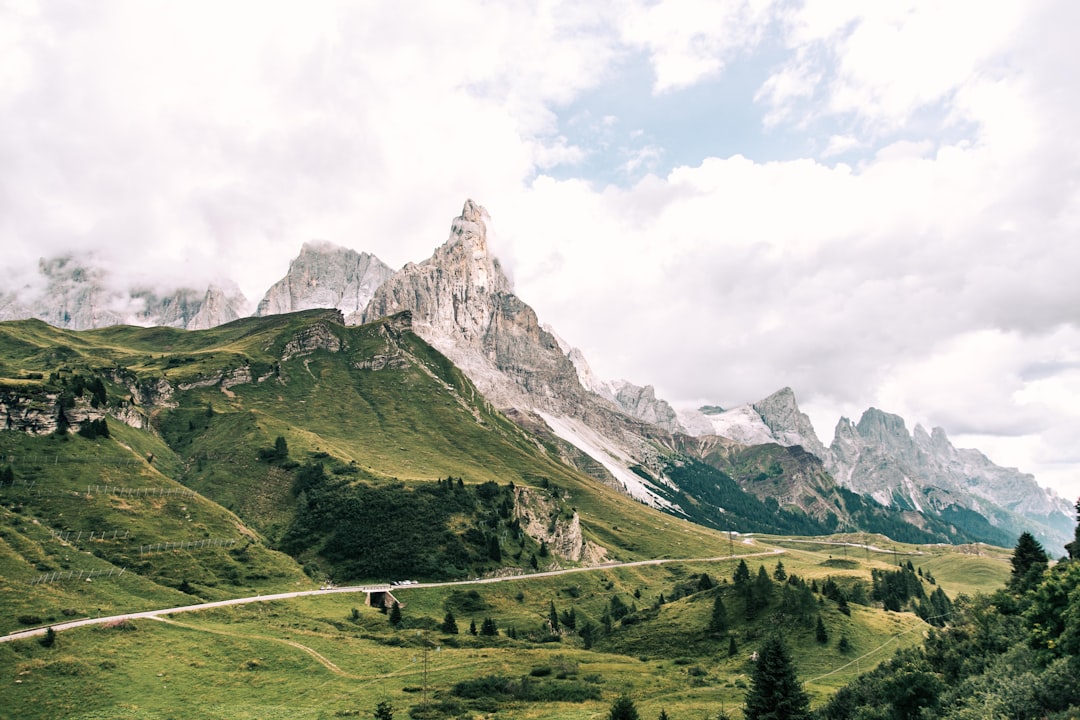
689, 41
932, 270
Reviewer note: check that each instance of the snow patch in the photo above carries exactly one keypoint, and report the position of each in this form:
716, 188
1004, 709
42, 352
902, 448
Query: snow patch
614, 460
743, 425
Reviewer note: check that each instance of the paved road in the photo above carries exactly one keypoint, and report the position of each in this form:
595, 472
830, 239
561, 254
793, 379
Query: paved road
59, 627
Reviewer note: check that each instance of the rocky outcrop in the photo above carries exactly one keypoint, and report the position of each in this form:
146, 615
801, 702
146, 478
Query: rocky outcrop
317, 336
324, 275
543, 521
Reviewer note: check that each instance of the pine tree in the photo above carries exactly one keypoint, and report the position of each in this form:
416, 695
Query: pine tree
663, 715
395, 614
742, 574
623, 709
49, 639
820, 632
779, 574
775, 691
472, 627
1029, 562
718, 621
449, 624
488, 628
553, 619
732, 647
384, 711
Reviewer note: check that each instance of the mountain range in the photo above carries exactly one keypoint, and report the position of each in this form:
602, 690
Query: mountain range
875, 474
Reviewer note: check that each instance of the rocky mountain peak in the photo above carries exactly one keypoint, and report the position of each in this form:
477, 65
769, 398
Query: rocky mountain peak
789, 425
325, 275
463, 304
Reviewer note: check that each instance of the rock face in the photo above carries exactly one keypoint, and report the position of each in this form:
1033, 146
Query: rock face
788, 424
923, 471
324, 275
463, 304
76, 295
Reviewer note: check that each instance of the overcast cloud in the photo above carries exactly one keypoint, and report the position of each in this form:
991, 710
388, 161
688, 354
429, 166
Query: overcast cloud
898, 224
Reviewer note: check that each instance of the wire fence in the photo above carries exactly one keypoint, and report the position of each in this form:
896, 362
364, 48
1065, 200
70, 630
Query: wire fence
187, 545
75, 536
62, 460
138, 492
61, 575
35, 490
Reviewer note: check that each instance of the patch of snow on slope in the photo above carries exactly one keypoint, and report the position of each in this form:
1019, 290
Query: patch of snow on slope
913, 494
743, 425
613, 459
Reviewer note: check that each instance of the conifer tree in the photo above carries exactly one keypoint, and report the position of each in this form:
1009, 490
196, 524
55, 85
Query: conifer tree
742, 574
1029, 562
775, 691
395, 614
384, 711
449, 624
820, 632
623, 709
718, 621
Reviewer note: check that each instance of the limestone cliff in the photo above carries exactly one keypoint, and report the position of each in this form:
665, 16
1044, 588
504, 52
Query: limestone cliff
324, 275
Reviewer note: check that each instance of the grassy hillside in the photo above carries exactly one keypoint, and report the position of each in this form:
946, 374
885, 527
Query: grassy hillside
329, 656
263, 455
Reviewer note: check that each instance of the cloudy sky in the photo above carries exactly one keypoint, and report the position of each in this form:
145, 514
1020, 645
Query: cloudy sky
873, 203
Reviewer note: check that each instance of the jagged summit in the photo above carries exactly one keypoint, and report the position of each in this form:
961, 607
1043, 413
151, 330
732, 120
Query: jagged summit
463, 304
326, 275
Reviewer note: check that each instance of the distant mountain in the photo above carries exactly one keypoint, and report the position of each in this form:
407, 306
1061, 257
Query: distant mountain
920, 472
325, 275
75, 294
463, 304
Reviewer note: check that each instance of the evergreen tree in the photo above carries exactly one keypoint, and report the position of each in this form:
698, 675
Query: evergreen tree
718, 621
704, 582
779, 574
742, 574
494, 551
384, 711
472, 627
844, 645
395, 614
281, 448
732, 647
663, 715
449, 624
488, 628
775, 691
49, 639
1029, 562
760, 592
623, 709
553, 619
820, 632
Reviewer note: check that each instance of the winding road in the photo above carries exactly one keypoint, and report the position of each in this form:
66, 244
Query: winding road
158, 614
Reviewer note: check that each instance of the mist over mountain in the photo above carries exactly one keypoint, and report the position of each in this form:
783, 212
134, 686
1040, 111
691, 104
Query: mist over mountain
73, 293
